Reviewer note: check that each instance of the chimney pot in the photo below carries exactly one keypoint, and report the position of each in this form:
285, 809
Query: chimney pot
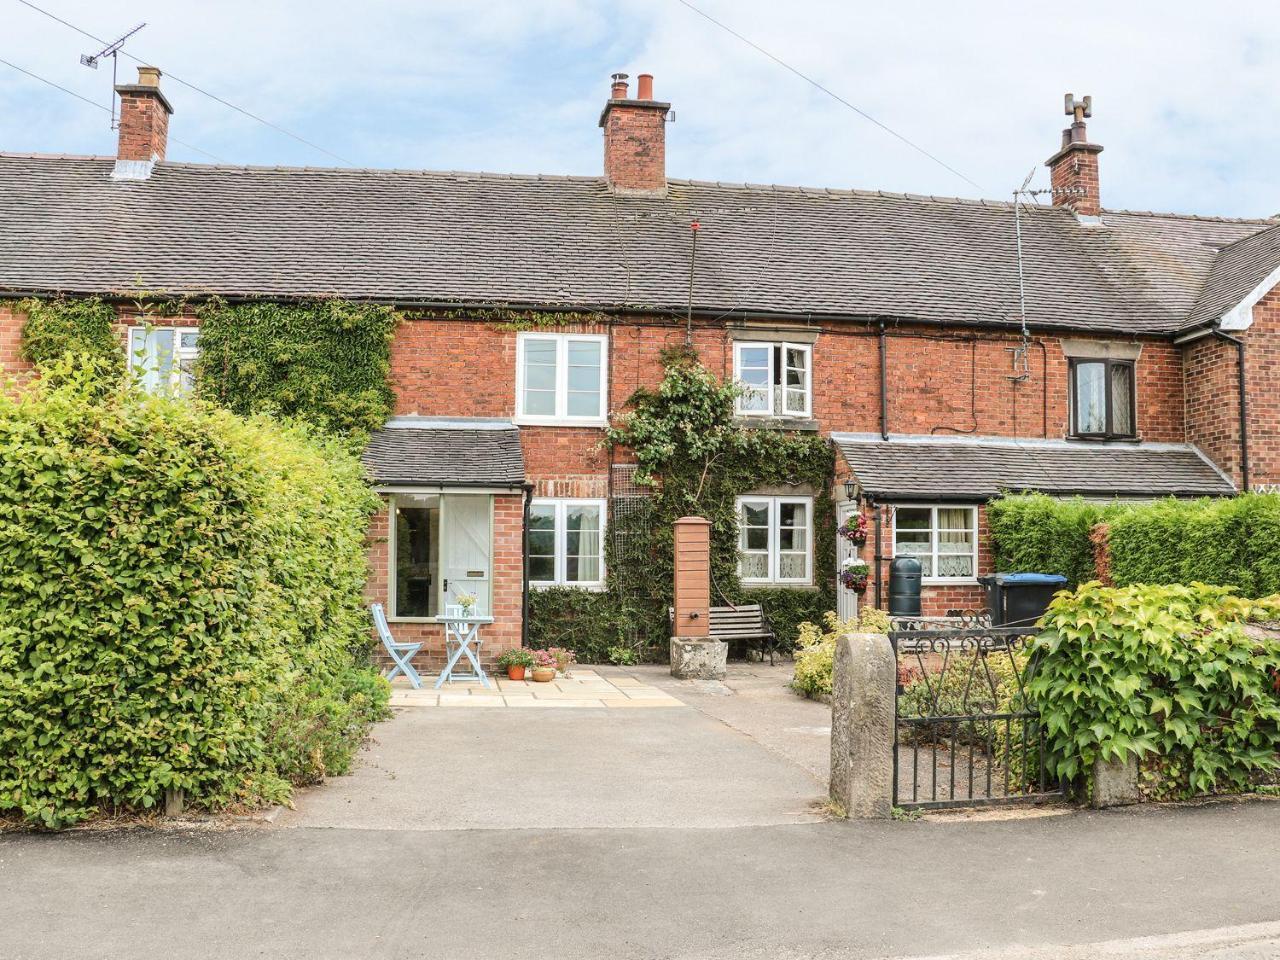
644, 86
619, 89
149, 77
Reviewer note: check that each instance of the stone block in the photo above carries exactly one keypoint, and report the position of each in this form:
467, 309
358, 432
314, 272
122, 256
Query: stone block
697, 658
1115, 783
864, 688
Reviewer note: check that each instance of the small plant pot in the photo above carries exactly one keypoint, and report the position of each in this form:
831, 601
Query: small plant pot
515, 672
544, 674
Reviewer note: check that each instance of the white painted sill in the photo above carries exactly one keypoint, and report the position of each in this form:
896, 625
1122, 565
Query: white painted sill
594, 424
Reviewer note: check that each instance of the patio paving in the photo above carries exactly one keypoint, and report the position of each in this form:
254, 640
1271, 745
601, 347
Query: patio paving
584, 688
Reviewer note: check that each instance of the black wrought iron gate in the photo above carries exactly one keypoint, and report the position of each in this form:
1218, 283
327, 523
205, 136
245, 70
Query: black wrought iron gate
965, 733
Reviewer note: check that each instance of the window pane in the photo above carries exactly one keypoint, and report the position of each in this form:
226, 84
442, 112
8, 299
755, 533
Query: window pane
753, 374
790, 538
584, 404
585, 353
755, 566
913, 518
582, 543
1121, 399
539, 377
586, 379
189, 340
791, 566
792, 514
417, 560
955, 518
540, 403
542, 542
954, 566
542, 516
542, 569
755, 538
755, 514
1091, 398
584, 569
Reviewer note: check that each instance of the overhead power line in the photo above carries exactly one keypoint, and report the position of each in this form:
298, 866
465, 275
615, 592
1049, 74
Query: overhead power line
830, 93
98, 106
191, 86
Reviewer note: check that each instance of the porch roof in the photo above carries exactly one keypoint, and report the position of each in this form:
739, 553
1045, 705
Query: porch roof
935, 468
445, 452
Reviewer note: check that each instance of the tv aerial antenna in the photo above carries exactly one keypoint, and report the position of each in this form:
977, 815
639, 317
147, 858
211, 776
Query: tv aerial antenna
111, 50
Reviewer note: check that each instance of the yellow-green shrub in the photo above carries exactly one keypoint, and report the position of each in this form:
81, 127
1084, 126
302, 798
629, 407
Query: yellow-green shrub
180, 602
816, 648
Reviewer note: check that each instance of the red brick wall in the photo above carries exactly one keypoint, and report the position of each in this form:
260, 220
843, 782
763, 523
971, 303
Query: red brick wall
144, 127
1212, 402
11, 320
1263, 364
635, 152
508, 585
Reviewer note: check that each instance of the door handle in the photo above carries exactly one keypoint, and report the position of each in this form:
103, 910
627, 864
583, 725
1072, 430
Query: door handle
446, 584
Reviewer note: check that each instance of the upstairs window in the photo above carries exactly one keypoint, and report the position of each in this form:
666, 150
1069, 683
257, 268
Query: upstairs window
164, 358
561, 378
776, 379
775, 537
1103, 399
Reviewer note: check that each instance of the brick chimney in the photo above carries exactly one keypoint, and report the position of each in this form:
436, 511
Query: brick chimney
1073, 170
635, 138
144, 118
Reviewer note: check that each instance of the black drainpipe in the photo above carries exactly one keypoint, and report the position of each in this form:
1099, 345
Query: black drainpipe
1244, 406
879, 560
524, 566
884, 389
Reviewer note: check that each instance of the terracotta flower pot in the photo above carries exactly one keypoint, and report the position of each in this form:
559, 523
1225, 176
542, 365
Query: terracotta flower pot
516, 671
544, 674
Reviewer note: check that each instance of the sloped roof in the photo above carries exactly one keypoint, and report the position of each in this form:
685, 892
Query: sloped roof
979, 468
416, 236
443, 452
1236, 272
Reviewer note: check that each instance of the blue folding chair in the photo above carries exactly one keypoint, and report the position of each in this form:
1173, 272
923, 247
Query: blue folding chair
401, 653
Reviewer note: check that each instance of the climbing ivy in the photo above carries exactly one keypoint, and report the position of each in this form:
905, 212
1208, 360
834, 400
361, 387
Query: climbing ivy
327, 362
697, 458
62, 326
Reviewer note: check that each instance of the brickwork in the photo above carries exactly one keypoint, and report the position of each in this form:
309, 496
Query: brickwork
1213, 402
635, 151
11, 321
508, 585
144, 126
1263, 364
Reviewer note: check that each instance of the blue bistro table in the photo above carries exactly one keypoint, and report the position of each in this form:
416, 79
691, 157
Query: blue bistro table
462, 638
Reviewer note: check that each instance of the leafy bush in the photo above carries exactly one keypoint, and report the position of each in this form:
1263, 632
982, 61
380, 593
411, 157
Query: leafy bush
1165, 673
816, 648
1232, 542
586, 620
327, 362
180, 602
60, 327
1036, 533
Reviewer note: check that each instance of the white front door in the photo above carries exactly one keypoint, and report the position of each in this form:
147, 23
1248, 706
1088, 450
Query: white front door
465, 560
846, 599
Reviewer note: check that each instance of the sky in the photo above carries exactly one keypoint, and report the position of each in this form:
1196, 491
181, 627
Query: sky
1185, 95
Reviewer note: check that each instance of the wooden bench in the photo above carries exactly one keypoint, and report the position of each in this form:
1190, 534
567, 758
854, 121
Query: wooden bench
745, 623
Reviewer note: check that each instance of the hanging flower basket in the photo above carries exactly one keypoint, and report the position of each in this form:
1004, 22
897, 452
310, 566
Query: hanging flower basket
854, 574
854, 529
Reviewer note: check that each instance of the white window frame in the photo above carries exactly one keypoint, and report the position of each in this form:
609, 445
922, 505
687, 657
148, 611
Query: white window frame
933, 509
441, 597
562, 505
561, 416
180, 353
772, 346
775, 515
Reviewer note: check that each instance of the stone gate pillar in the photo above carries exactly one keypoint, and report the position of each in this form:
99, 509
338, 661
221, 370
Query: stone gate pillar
694, 655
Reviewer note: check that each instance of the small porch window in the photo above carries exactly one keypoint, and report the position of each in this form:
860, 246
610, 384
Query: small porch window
944, 539
1103, 399
441, 546
566, 543
776, 379
775, 539
164, 358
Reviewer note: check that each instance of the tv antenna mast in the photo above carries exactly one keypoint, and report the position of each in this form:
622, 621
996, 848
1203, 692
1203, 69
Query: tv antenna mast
110, 50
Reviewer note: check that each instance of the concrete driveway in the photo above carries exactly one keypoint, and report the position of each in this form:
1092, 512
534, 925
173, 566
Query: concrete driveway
697, 761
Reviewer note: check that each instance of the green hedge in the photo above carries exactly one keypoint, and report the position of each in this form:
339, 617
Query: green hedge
180, 603
1233, 542
585, 621
1165, 673
1036, 533
60, 327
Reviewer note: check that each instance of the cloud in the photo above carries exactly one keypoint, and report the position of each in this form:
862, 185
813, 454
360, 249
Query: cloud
1183, 101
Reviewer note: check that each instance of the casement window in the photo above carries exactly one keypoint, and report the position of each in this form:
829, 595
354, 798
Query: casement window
775, 539
1103, 399
441, 545
566, 543
776, 379
944, 539
164, 358
562, 378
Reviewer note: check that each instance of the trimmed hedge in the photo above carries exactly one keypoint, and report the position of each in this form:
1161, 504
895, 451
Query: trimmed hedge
1165, 673
180, 602
1233, 542
1036, 533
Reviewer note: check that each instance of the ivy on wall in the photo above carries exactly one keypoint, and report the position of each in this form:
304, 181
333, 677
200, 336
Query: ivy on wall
325, 361
62, 326
697, 458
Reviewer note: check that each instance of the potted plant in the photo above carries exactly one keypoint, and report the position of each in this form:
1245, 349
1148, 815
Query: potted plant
854, 574
544, 666
516, 662
564, 657
467, 601
854, 529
